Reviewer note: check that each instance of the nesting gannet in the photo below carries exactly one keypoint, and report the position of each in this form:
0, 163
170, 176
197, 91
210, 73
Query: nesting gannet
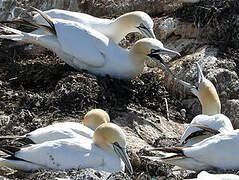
84, 48
116, 30
218, 151
106, 152
91, 121
204, 175
211, 109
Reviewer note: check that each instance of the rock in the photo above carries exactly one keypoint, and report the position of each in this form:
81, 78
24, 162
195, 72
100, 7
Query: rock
96, 8
74, 174
231, 109
171, 29
218, 70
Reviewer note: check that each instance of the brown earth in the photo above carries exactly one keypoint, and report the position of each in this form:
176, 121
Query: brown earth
37, 89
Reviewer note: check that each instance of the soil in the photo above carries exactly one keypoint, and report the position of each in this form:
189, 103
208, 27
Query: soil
37, 89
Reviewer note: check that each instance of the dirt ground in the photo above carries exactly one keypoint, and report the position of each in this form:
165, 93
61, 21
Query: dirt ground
37, 89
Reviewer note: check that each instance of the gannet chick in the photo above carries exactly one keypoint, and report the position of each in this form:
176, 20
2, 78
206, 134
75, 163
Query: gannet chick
84, 48
218, 151
116, 30
211, 109
106, 152
91, 121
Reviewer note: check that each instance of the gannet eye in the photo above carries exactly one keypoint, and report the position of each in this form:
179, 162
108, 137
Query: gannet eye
117, 144
142, 26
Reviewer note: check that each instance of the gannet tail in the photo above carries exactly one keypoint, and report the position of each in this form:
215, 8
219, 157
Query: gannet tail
175, 156
11, 161
22, 139
16, 36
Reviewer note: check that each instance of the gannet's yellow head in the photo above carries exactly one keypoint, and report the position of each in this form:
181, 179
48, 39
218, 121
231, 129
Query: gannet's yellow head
137, 21
206, 93
95, 118
111, 137
151, 48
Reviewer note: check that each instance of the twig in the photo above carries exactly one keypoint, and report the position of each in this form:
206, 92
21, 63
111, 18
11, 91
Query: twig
166, 105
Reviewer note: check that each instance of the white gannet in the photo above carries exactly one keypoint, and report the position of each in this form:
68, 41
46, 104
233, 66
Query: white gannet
106, 152
91, 121
218, 151
204, 175
84, 48
211, 109
116, 30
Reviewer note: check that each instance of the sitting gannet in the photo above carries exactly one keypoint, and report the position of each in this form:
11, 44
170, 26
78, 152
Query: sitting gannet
91, 121
84, 48
218, 151
211, 109
105, 152
116, 30
204, 175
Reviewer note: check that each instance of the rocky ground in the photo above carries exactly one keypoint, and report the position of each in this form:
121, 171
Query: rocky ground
38, 89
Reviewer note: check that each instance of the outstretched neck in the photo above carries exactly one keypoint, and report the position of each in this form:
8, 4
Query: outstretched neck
121, 27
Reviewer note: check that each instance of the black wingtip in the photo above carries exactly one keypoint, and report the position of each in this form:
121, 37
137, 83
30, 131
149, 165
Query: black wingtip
10, 150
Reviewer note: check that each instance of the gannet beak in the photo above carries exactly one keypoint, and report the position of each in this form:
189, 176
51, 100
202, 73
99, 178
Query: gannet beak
157, 58
200, 75
123, 155
164, 50
147, 32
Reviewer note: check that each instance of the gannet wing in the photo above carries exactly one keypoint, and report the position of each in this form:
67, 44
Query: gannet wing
85, 44
218, 122
59, 154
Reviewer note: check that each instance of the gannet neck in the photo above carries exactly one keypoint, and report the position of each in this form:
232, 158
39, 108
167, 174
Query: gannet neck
209, 98
136, 21
95, 118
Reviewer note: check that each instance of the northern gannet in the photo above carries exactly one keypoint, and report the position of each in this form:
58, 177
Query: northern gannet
91, 121
106, 152
211, 111
218, 151
204, 175
84, 48
116, 30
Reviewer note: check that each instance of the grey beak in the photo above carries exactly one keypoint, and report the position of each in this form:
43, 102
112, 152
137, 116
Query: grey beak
157, 58
148, 32
164, 50
123, 155
200, 75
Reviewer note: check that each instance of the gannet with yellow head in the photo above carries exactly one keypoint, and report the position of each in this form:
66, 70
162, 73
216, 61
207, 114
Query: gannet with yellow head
91, 121
115, 29
211, 111
106, 152
84, 48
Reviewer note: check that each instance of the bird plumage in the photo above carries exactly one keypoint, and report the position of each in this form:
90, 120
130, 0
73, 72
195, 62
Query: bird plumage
84, 48
217, 151
114, 29
211, 110
106, 152
91, 121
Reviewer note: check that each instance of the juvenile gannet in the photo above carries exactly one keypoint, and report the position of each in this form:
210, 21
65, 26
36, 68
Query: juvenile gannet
91, 121
218, 151
84, 48
116, 30
106, 152
211, 109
